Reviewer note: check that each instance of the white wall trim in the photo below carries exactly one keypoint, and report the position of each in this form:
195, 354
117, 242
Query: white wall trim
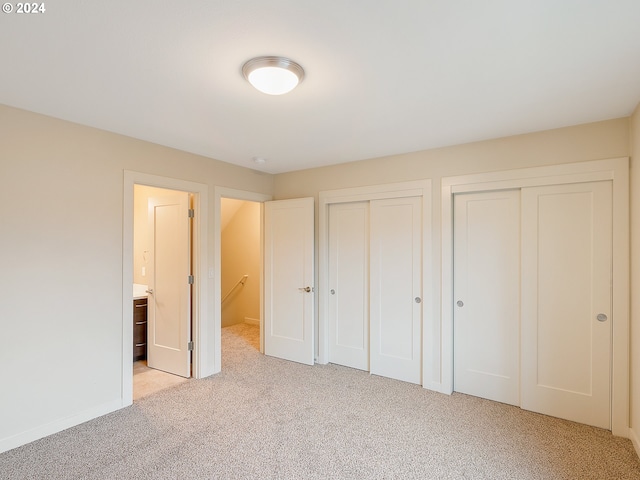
201, 331
417, 188
635, 439
59, 425
218, 194
617, 170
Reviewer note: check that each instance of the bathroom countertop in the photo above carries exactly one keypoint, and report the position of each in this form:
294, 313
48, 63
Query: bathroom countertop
139, 291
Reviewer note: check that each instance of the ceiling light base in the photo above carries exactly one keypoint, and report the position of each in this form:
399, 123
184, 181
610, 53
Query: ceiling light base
273, 75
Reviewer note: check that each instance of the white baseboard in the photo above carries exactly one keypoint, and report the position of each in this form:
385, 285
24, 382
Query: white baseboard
252, 321
56, 426
636, 440
436, 387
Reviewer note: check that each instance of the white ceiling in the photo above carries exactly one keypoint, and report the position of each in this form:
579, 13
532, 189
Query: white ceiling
382, 77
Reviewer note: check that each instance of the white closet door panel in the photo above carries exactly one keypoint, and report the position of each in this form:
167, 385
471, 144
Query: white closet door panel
396, 289
566, 350
349, 284
487, 292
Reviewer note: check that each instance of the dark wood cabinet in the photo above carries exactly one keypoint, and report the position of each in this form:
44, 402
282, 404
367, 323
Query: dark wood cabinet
139, 329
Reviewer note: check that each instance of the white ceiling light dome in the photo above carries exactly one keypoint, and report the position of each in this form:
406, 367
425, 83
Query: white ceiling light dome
273, 75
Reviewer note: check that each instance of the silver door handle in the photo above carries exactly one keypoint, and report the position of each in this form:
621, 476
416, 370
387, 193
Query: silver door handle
305, 289
150, 291
601, 317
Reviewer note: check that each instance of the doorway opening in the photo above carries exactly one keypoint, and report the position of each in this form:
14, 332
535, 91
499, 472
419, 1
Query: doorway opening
241, 270
198, 341
224, 194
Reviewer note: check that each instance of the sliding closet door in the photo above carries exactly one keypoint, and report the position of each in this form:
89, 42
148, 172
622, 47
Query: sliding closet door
566, 301
396, 290
349, 284
487, 295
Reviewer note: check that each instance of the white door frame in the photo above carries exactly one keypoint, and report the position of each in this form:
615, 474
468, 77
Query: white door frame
201, 331
417, 188
616, 170
216, 272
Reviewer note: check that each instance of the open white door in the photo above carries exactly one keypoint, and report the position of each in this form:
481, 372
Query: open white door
169, 305
288, 279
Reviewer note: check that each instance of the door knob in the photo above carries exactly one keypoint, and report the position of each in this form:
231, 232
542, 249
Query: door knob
601, 317
460, 303
418, 300
305, 289
333, 292
150, 291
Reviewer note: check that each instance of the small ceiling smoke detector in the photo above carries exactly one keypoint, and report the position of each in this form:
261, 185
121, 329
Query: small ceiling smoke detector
273, 75
259, 160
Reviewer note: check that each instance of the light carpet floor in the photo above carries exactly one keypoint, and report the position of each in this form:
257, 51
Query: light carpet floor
268, 418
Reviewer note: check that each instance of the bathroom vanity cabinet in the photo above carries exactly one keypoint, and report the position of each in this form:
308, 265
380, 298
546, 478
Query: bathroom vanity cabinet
139, 329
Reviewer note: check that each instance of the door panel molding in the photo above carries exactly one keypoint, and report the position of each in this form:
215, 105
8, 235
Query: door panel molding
616, 170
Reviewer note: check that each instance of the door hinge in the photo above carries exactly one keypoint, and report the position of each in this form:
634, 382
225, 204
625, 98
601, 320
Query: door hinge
190, 346
190, 279
192, 213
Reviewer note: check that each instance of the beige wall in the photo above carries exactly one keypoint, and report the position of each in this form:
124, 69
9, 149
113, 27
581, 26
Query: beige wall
61, 251
240, 244
572, 144
635, 278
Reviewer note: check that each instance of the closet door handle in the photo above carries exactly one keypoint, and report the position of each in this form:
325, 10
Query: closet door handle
305, 289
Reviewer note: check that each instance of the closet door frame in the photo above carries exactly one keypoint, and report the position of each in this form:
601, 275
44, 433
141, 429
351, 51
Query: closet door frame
417, 188
615, 170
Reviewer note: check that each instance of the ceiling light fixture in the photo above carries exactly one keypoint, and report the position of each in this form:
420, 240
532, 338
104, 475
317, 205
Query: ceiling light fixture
273, 75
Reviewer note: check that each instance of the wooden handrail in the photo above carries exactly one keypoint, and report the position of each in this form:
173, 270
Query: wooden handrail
239, 282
